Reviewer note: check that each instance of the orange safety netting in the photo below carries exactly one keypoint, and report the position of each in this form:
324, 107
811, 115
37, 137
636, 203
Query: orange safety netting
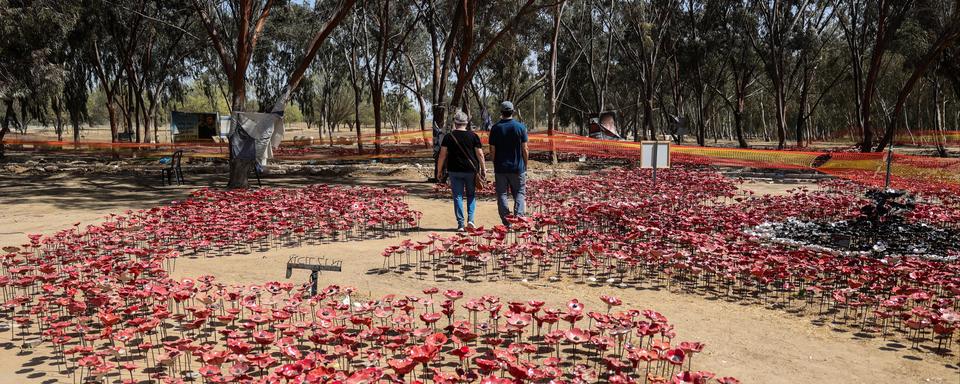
919, 173
929, 137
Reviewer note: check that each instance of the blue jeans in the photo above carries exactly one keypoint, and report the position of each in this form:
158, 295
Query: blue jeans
517, 184
461, 182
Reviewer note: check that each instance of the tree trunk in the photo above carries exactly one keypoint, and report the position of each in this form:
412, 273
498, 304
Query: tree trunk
418, 93
75, 122
58, 117
239, 168
356, 118
552, 117
938, 119
780, 102
355, 84
873, 74
637, 131
738, 113
156, 125
376, 98
5, 126
701, 124
648, 108
128, 110
763, 120
802, 112
112, 113
147, 123
138, 106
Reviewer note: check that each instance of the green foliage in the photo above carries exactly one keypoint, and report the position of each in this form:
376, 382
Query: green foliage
32, 33
686, 59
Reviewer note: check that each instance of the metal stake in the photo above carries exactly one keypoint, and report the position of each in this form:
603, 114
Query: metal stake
656, 149
889, 164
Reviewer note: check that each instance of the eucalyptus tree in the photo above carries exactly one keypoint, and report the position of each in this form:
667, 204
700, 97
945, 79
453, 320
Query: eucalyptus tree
594, 28
701, 30
939, 23
32, 34
869, 28
352, 56
792, 38
816, 32
277, 50
945, 76
780, 25
590, 52
157, 64
515, 73
105, 54
435, 16
739, 29
411, 72
387, 25
321, 98
76, 78
249, 18
647, 44
477, 27
554, 94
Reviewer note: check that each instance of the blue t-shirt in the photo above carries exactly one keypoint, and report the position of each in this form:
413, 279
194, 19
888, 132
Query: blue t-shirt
508, 137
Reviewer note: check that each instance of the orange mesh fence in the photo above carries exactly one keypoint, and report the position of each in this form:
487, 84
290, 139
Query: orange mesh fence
915, 173
929, 137
918, 173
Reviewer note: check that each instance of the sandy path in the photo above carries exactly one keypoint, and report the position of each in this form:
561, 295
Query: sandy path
46, 204
754, 344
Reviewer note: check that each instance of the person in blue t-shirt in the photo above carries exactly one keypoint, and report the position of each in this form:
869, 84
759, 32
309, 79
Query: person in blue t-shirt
508, 150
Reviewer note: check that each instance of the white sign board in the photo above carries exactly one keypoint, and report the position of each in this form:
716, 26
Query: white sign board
650, 150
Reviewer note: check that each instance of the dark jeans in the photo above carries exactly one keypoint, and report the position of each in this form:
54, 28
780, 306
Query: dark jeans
517, 185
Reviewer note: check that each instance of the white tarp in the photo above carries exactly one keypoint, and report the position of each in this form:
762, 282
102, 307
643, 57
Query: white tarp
266, 129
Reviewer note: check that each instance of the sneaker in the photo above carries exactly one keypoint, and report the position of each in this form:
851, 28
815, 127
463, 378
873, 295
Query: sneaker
470, 225
459, 229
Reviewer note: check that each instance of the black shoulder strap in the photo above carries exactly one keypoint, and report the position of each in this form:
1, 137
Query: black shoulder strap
465, 153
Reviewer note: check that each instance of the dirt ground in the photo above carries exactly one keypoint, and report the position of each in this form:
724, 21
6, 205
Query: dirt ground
755, 344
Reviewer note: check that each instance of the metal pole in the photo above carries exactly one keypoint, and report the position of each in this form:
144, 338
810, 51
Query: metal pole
313, 282
889, 164
656, 149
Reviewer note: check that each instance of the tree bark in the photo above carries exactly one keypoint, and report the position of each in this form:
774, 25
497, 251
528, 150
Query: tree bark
552, 118
807, 79
738, 120
5, 126
355, 84
779, 99
938, 119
